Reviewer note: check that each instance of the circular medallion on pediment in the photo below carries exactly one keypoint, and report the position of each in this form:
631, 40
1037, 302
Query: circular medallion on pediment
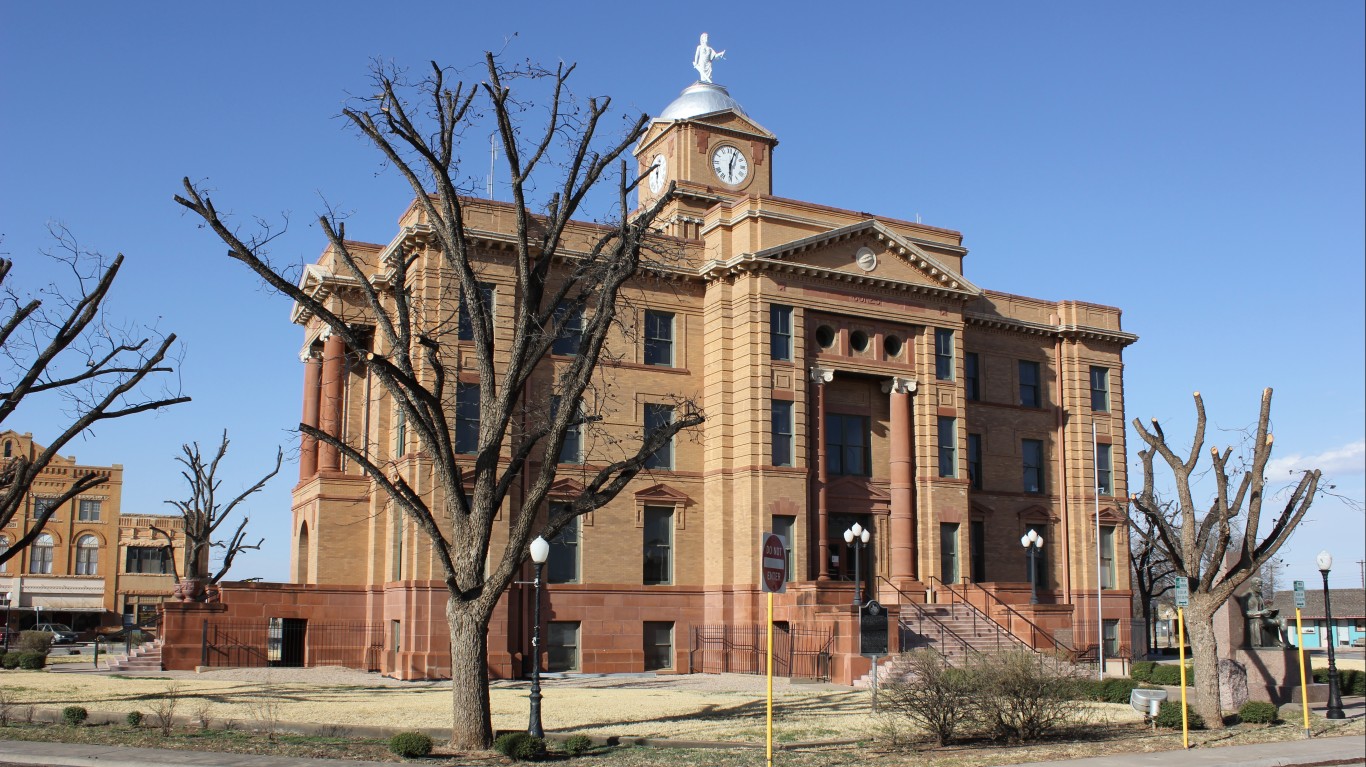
866, 259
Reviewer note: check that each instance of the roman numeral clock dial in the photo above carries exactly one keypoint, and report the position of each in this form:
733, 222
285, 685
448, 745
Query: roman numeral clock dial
730, 165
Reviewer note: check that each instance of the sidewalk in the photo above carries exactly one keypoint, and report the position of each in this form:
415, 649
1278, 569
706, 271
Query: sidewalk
1349, 750
24, 752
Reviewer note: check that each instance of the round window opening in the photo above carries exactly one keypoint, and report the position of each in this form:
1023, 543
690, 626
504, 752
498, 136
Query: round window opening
859, 341
825, 336
893, 346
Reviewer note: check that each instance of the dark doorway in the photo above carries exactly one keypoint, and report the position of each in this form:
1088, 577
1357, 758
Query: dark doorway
842, 553
977, 547
285, 642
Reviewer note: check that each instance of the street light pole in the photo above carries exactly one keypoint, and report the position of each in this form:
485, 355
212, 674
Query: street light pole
1325, 562
1032, 541
857, 537
540, 551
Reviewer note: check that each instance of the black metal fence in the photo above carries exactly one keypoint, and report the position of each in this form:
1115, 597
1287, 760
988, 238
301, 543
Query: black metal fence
289, 642
798, 651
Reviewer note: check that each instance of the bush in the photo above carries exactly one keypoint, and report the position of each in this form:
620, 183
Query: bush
134, 718
32, 661
578, 745
10, 659
410, 744
75, 715
1107, 691
1350, 682
1259, 712
1169, 674
1142, 671
35, 641
935, 696
519, 746
1021, 697
1169, 716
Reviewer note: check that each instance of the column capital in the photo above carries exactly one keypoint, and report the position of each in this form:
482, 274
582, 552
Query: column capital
899, 385
822, 375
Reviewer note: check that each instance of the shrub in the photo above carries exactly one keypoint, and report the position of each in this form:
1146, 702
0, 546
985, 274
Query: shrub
134, 718
75, 715
1021, 697
1107, 691
10, 659
34, 641
1169, 674
578, 745
519, 746
32, 661
1169, 716
1142, 671
410, 744
1350, 682
932, 694
1259, 712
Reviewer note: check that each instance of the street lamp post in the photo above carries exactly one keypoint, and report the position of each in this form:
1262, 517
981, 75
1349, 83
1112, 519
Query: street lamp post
1032, 542
540, 552
9, 606
1325, 562
857, 537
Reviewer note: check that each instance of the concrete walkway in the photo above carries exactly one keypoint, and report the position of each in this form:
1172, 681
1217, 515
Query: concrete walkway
1349, 750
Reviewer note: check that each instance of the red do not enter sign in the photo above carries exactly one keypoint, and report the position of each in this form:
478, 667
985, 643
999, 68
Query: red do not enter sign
773, 563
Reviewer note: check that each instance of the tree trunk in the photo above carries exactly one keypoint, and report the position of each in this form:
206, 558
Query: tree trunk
1205, 653
471, 724
1150, 628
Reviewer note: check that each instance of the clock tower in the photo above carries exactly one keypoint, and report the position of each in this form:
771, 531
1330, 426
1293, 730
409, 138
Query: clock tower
705, 143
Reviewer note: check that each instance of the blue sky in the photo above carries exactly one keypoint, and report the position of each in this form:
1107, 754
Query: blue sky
1199, 165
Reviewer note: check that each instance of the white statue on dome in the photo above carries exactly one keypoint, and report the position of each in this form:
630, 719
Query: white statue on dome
702, 58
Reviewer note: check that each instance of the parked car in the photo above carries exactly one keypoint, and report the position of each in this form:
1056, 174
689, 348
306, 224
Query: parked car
1359, 642
61, 633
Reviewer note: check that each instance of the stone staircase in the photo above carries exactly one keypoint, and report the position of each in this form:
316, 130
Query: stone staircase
146, 657
955, 631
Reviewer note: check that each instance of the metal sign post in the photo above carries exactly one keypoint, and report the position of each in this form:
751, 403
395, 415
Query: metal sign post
772, 579
1183, 599
1299, 645
872, 625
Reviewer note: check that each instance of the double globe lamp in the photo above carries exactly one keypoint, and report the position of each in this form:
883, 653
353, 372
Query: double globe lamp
857, 537
1032, 543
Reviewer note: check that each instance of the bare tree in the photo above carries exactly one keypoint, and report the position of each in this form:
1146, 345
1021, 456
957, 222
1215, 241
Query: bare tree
57, 343
1203, 544
1154, 574
570, 282
204, 513
1271, 578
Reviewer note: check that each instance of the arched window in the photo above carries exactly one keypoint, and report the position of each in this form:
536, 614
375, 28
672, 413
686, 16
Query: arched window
302, 556
9, 448
40, 555
87, 555
4, 546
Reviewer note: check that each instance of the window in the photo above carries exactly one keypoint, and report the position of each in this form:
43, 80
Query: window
571, 451
4, 547
465, 326
948, 446
1105, 476
785, 527
396, 635
659, 645
780, 332
9, 449
847, 450
975, 461
400, 432
87, 555
977, 547
571, 330
782, 432
147, 560
659, 338
943, 354
1110, 633
1039, 577
563, 564
562, 646
41, 505
948, 552
1029, 384
466, 418
40, 555
1031, 452
1107, 557
88, 510
1100, 389
972, 376
657, 417
659, 535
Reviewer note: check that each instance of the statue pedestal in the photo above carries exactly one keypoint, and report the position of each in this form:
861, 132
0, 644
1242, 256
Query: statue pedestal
1273, 674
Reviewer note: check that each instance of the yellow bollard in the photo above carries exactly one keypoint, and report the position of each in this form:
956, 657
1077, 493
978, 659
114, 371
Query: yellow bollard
1304, 688
1181, 644
769, 726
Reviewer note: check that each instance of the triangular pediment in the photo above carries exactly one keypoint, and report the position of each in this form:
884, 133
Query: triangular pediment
661, 494
565, 488
854, 488
729, 119
869, 251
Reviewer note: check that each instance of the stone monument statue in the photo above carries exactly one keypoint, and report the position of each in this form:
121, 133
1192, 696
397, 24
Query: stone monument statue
1263, 627
702, 58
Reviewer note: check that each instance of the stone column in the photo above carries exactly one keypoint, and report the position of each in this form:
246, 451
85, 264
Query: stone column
821, 377
333, 392
902, 522
308, 447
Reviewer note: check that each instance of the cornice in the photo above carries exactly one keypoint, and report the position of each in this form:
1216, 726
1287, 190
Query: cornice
1054, 331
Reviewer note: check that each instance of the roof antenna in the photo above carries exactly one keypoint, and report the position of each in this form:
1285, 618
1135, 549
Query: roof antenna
917, 218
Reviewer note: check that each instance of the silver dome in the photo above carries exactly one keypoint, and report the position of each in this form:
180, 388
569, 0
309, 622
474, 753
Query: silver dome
700, 99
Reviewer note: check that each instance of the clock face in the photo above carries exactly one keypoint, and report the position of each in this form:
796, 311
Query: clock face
659, 170
730, 165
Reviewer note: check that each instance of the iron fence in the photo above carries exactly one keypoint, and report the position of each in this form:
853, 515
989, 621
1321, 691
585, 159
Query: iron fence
276, 642
798, 651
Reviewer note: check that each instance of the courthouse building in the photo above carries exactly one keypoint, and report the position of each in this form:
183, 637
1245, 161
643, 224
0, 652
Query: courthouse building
850, 371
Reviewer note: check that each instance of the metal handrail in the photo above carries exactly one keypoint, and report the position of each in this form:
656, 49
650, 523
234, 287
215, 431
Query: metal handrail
997, 629
922, 614
1035, 630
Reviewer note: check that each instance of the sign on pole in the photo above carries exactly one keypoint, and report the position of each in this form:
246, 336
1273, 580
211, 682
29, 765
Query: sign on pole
1183, 592
872, 629
1299, 595
773, 563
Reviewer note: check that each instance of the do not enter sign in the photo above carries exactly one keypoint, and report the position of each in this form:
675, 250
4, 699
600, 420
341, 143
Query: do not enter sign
773, 563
